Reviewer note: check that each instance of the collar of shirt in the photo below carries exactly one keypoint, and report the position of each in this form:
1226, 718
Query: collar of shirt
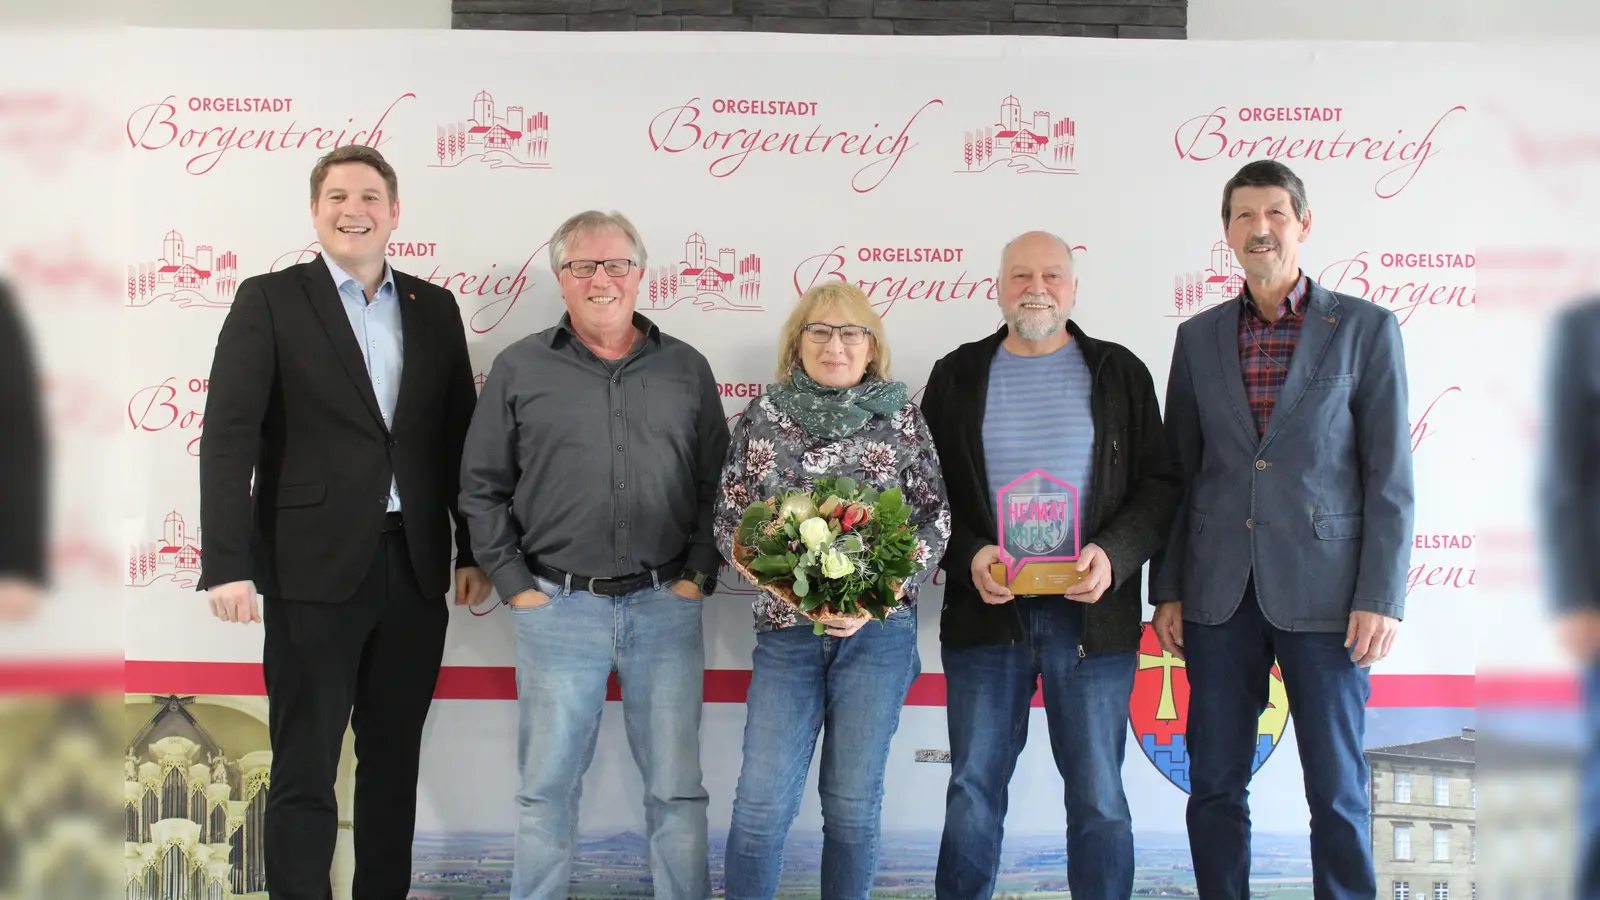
342, 278
564, 330
1294, 304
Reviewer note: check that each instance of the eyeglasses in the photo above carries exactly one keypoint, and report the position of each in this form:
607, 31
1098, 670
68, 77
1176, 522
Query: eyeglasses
585, 268
822, 332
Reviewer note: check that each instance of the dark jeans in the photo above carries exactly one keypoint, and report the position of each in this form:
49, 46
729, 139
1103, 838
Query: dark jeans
851, 690
1228, 667
1588, 886
990, 690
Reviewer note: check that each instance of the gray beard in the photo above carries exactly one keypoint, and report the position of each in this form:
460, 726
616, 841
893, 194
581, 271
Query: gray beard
1038, 326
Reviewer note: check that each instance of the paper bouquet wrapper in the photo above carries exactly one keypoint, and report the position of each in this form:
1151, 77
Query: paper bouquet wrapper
824, 613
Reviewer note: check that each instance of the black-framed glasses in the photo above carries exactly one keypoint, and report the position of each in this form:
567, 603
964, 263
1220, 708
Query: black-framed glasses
585, 268
822, 332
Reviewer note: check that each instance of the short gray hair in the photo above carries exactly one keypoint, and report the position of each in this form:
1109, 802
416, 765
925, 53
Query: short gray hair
1007, 249
588, 222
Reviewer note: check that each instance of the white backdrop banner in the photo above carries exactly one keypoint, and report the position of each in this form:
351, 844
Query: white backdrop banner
756, 166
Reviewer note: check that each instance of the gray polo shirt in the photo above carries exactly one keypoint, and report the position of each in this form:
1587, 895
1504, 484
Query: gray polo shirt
594, 469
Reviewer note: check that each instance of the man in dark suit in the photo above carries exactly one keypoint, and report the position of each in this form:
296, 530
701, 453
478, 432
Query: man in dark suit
1569, 525
344, 389
23, 522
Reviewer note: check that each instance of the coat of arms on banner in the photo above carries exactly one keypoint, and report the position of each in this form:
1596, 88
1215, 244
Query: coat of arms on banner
185, 276
1159, 712
1034, 143
511, 138
1222, 281
706, 278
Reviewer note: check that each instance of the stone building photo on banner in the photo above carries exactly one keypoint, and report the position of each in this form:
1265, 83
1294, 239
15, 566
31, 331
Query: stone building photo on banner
756, 166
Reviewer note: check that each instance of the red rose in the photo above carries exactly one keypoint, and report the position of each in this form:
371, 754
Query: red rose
853, 516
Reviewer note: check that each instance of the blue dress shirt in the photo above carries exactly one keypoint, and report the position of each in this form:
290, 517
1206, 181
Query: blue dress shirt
378, 332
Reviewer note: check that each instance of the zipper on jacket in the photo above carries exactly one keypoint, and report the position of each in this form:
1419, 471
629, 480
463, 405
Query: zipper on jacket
1113, 451
1080, 651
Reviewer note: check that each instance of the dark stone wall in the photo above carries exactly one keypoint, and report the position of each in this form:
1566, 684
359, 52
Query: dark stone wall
1071, 18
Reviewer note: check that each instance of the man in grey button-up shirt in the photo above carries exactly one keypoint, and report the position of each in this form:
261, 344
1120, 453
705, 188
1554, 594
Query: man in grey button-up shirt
588, 483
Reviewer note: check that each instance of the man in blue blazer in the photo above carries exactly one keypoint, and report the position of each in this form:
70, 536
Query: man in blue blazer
1569, 531
1287, 414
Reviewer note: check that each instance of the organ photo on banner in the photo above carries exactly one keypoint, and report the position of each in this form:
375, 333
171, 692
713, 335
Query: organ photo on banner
756, 166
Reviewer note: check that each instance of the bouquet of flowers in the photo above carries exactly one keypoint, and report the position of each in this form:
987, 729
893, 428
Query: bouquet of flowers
836, 551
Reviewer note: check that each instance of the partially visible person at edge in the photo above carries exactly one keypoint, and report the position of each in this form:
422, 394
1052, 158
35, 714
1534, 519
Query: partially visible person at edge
23, 470
1040, 393
588, 482
833, 412
1569, 497
1287, 409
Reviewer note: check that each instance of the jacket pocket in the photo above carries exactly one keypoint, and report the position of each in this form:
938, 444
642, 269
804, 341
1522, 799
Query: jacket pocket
301, 494
1340, 527
1329, 382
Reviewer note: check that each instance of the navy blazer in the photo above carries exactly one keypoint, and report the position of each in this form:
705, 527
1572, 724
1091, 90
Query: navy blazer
1322, 506
1569, 470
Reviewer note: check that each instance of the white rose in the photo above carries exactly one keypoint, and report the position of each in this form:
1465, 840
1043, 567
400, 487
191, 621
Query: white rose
814, 533
836, 565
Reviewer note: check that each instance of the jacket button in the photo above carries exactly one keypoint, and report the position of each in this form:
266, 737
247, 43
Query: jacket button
1260, 464
1250, 523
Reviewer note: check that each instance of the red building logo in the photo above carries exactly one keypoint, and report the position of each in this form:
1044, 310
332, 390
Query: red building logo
1036, 143
1199, 291
510, 138
187, 277
176, 556
724, 280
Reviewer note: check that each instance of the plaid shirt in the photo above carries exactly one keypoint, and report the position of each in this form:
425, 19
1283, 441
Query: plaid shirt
1265, 348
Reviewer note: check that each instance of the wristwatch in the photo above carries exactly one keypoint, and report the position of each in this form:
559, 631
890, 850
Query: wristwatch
700, 580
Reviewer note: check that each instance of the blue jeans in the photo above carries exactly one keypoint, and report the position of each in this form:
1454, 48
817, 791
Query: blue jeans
990, 691
850, 688
566, 651
1588, 877
1228, 667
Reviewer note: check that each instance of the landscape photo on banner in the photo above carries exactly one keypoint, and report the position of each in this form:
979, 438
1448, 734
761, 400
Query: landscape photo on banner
756, 166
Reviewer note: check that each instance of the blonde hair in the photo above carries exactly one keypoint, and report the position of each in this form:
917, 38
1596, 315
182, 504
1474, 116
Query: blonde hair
846, 298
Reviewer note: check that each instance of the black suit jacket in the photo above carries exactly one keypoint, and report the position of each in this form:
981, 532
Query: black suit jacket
1569, 488
23, 475
290, 401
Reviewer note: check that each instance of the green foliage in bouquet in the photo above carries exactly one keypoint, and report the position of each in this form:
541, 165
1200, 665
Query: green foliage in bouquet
839, 549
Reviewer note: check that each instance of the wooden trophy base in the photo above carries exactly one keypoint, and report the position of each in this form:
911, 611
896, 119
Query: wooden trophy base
1039, 578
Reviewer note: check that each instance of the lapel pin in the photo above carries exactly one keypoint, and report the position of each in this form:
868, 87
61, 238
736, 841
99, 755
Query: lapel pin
414, 296
1329, 319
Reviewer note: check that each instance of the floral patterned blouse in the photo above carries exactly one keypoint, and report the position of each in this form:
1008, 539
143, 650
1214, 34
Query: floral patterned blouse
770, 451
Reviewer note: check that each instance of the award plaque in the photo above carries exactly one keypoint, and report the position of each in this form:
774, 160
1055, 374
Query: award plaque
1039, 535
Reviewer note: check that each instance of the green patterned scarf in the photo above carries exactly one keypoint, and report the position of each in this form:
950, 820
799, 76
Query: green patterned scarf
836, 412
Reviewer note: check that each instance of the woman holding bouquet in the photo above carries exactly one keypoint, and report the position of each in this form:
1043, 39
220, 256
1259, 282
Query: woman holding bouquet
832, 417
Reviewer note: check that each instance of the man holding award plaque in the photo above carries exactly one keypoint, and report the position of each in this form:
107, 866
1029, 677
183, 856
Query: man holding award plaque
1287, 412
1060, 488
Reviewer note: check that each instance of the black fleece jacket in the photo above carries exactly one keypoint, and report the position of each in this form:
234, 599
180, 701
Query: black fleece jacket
1135, 491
